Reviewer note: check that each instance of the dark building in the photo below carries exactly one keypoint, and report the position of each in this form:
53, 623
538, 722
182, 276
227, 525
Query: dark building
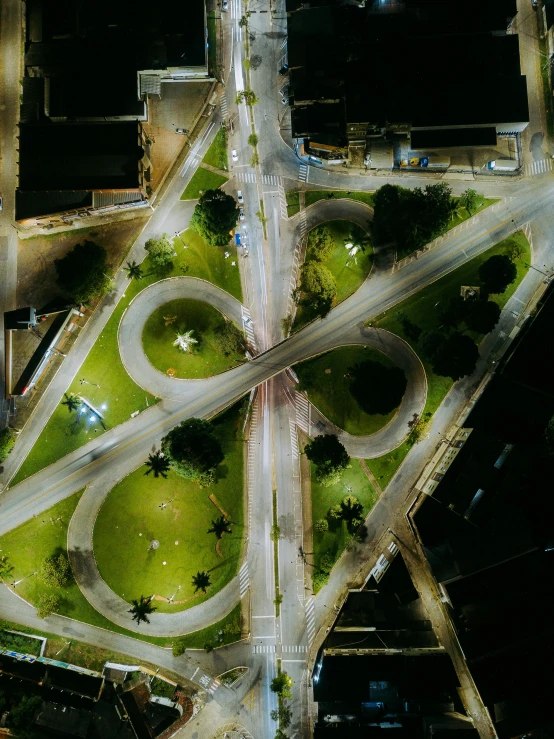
411, 70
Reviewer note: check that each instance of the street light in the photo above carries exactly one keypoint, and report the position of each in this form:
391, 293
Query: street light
170, 600
86, 382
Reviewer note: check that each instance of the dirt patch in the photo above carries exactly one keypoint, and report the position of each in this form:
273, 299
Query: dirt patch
36, 273
164, 149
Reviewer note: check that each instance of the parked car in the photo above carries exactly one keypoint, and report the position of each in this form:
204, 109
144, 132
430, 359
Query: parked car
239, 196
284, 90
181, 130
284, 69
225, 6
285, 100
535, 4
234, 155
241, 214
1, 203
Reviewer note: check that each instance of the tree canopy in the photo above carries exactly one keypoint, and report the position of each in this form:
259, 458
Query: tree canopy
549, 436
55, 570
7, 440
376, 387
320, 243
470, 200
482, 315
411, 218
319, 284
329, 457
214, 216
193, 450
84, 272
497, 273
47, 604
141, 609
161, 252
451, 311
229, 338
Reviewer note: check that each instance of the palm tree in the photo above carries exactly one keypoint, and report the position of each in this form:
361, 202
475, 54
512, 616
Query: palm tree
185, 341
456, 208
220, 526
157, 463
72, 401
142, 609
134, 271
201, 581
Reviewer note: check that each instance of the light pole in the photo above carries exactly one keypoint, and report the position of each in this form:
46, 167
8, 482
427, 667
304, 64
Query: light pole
170, 600
178, 235
16, 582
164, 505
86, 382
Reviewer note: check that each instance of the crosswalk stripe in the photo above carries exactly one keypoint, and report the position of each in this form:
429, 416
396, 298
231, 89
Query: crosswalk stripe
310, 619
244, 580
541, 166
294, 648
224, 106
302, 412
264, 649
271, 179
246, 176
303, 173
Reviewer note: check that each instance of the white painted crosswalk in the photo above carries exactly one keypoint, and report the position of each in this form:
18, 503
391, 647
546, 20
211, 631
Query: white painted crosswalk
310, 619
248, 326
264, 649
294, 649
244, 580
283, 203
542, 166
224, 108
303, 224
271, 179
246, 176
214, 686
303, 173
302, 412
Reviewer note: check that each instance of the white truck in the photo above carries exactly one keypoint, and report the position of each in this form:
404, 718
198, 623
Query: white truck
503, 165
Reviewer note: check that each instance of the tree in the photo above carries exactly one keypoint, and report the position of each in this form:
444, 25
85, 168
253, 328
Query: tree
229, 338
377, 388
134, 271
72, 402
497, 273
179, 646
161, 252
55, 570
451, 310
319, 284
321, 525
158, 464
47, 604
456, 357
84, 273
329, 457
470, 200
215, 215
220, 526
246, 96
22, 715
185, 341
254, 159
6, 568
321, 243
482, 315
7, 441
283, 714
326, 563
201, 581
335, 512
319, 580
456, 208
253, 139
193, 450
281, 684
141, 609
351, 508
411, 329
430, 342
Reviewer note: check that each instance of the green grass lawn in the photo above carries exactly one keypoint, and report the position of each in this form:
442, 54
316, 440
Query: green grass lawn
349, 273
312, 196
206, 359
103, 366
334, 540
421, 310
330, 390
131, 518
202, 180
293, 202
216, 156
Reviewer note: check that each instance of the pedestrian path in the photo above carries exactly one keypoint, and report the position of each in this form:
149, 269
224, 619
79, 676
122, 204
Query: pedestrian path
310, 619
302, 412
304, 173
264, 649
271, 179
246, 176
244, 580
542, 166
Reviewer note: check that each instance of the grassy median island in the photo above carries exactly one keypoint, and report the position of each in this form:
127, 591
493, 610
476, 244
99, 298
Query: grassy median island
132, 517
327, 382
204, 179
334, 540
421, 310
348, 270
64, 432
178, 316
